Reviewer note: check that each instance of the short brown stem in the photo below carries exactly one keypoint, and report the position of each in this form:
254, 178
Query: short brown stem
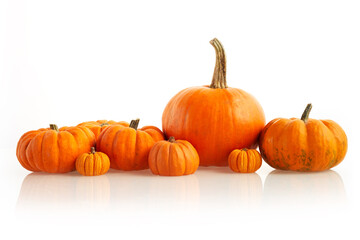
219, 77
54, 127
92, 150
134, 123
171, 139
103, 124
305, 115
245, 149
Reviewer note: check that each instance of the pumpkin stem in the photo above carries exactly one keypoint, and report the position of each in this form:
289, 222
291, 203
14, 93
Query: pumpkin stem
134, 123
219, 77
244, 149
171, 139
305, 115
103, 124
92, 150
54, 127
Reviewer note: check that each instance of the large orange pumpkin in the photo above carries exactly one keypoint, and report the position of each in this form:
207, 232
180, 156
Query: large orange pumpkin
303, 144
98, 126
216, 119
173, 158
128, 147
52, 150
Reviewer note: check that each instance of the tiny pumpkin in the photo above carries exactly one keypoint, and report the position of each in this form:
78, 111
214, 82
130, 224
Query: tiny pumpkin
92, 163
98, 126
53, 150
173, 158
245, 160
128, 147
305, 144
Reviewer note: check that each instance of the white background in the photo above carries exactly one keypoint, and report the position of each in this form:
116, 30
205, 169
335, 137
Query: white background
66, 62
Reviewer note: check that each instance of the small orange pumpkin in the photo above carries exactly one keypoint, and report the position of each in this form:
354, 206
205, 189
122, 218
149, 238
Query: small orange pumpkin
173, 158
93, 163
98, 126
245, 160
53, 150
128, 147
305, 144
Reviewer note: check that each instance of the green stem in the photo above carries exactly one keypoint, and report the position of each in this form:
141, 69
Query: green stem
103, 124
219, 77
305, 115
54, 127
134, 123
171, 139
92, 150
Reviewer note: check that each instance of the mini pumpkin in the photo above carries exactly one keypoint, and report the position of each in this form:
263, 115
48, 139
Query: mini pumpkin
128, 147
173, 158
53, 150
98, 126
304, 144
92, 163
245, 160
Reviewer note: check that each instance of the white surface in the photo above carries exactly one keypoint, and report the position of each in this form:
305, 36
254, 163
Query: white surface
72, 61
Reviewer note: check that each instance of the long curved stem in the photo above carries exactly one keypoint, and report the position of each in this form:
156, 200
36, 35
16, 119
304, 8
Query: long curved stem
219, 77
305, 115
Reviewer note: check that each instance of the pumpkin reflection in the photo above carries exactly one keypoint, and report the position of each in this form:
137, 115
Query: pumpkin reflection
294, 188
226, 188
41, 191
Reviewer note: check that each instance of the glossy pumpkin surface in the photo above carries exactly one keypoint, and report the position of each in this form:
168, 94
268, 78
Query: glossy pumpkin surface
303, 144
52, 150
216, 119
245, 160
128, 147
92, 163
173, 158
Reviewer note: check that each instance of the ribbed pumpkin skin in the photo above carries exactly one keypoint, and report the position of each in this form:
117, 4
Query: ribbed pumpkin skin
98, 126
173, 158
92, 164
292, 144
127, 148
245, 160
53, 151
215, 121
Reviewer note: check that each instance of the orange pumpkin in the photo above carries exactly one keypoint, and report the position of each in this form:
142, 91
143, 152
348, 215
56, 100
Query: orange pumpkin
173, 158
245, 160
303, 144
52, 150
216, 119
128, 147
98, 126
93, 163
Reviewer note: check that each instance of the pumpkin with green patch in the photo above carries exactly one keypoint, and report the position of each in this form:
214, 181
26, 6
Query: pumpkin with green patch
305, 144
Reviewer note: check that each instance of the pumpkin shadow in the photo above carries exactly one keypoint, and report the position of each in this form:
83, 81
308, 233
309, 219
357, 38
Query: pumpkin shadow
294, 189
42, 192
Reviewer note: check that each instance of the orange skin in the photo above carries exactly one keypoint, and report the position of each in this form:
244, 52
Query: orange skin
245, 160
53, 151
127, 148
215, 121
292, 144
92, 163
175, 158
98, 126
